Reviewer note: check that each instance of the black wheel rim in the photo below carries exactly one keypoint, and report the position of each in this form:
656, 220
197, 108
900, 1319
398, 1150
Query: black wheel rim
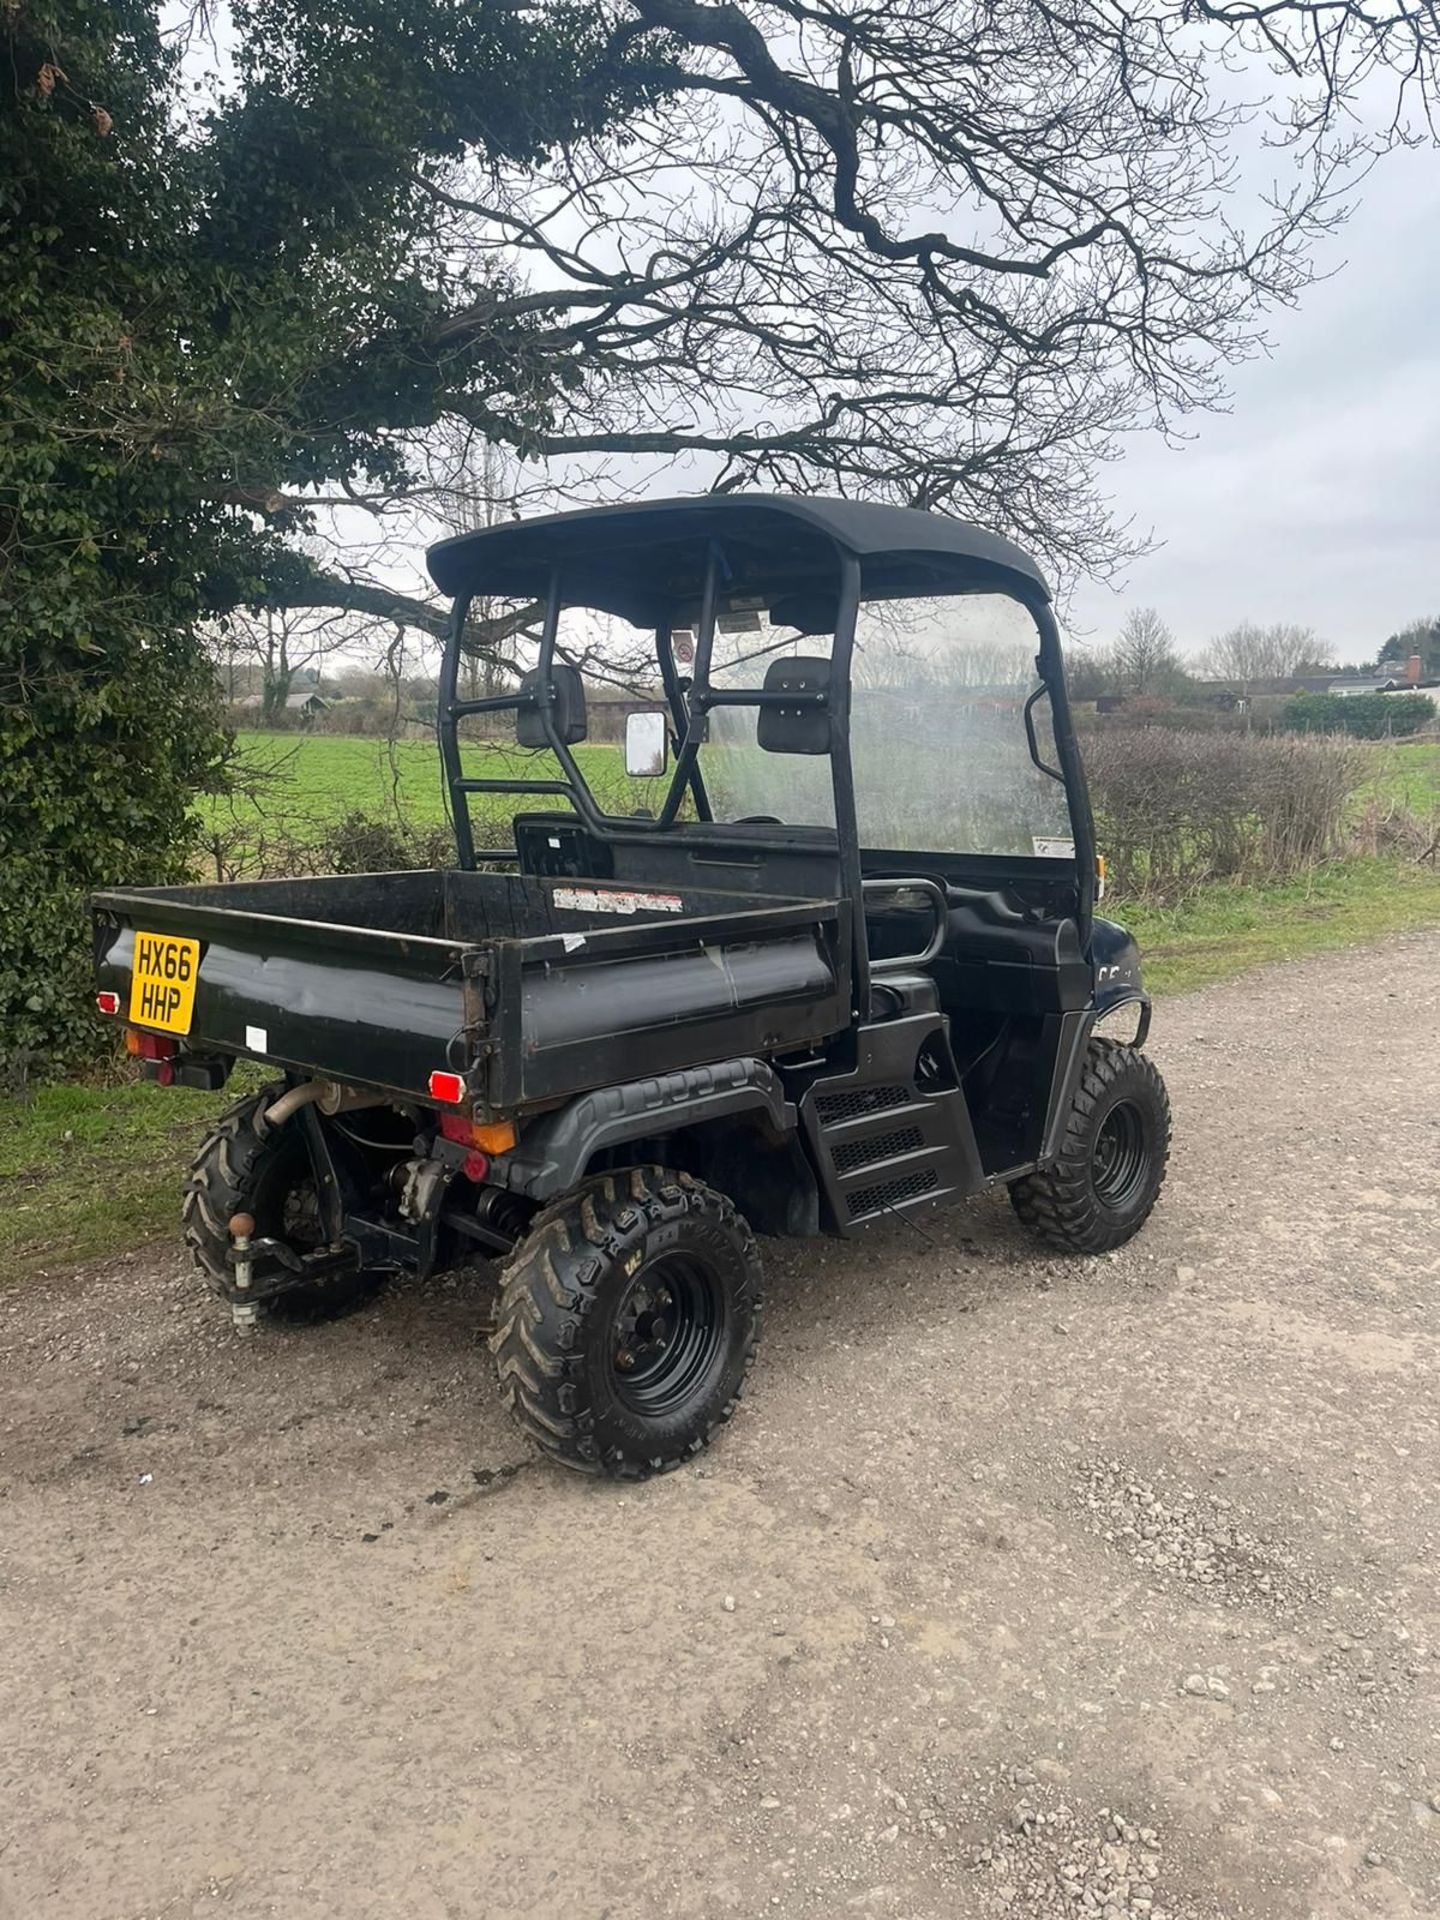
668, 1333
1121, 1163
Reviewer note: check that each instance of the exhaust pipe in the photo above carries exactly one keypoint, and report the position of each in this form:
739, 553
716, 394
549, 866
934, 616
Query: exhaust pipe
328, 1095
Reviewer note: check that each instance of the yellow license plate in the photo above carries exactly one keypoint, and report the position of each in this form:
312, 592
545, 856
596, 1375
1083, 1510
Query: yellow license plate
162, 986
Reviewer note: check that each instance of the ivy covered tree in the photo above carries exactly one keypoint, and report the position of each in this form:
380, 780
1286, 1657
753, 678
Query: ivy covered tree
199, 311
945, 253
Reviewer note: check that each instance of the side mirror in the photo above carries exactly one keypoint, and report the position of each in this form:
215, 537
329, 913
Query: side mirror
647, 745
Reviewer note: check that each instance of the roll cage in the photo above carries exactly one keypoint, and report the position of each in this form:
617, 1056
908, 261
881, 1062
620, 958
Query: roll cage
675, 564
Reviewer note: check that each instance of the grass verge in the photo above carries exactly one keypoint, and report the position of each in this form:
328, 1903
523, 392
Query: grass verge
1227, 930
89, 1170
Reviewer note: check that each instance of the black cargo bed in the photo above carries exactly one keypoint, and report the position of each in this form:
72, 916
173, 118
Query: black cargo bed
533, 988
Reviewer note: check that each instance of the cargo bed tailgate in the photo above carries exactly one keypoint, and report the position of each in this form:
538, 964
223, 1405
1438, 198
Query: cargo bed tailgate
363, 1005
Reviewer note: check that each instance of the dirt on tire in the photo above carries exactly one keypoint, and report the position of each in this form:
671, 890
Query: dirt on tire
1019, 1584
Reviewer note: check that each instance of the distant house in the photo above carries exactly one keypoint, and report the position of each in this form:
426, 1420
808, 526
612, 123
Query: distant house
1221, 697
306, 702
1350, 684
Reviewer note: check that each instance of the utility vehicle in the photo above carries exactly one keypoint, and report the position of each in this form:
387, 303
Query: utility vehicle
846, 966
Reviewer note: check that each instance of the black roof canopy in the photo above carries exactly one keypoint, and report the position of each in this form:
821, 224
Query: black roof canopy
646, 561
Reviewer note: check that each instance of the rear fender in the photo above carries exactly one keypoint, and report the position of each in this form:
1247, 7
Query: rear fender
557, 1149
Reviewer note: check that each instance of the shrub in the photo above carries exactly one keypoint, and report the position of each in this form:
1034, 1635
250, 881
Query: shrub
1362, 716
278, 846
1174, 810
360, 844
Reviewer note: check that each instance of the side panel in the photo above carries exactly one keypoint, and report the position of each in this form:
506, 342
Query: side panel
1116, 960
592, 1019
1118, 983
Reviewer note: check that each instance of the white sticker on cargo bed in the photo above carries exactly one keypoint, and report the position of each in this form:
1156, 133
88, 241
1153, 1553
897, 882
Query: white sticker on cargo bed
592, 900
257, 1040
1052, 849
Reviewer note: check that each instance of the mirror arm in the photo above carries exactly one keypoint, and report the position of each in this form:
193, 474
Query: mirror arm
1034, 745
689, 753
680, 716
579, 792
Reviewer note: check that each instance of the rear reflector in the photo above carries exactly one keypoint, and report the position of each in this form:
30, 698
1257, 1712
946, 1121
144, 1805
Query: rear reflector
151, 1046
108, 1002
447, 1086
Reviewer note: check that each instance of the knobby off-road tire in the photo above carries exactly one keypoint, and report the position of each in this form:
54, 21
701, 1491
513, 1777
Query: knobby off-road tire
629, 1315
1102, 1187
246, 1166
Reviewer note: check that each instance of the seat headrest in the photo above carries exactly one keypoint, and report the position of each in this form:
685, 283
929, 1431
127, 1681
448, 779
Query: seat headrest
798, 729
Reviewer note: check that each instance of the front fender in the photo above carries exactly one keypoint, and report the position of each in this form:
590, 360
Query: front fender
1117, 980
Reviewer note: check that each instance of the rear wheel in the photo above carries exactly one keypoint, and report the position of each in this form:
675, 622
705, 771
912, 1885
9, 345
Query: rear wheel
629, 1316
1101, 1188
248, 1166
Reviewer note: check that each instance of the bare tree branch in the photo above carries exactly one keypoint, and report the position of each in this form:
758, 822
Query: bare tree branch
481, 636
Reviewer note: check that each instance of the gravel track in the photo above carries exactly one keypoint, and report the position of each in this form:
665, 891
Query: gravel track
1019, 1585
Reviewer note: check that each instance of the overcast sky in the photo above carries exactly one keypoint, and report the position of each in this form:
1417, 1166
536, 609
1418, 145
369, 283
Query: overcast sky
1317, 498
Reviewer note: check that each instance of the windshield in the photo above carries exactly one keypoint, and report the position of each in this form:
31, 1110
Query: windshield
937, 732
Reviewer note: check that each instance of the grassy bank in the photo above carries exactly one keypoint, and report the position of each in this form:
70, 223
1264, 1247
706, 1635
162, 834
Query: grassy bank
89, 1170
1225, 931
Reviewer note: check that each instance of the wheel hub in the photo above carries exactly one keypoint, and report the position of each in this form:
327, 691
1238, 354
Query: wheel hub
1120, 1160
667, 1333
644, 1329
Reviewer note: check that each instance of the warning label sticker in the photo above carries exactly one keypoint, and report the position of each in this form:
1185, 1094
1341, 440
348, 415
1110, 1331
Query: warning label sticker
593, 900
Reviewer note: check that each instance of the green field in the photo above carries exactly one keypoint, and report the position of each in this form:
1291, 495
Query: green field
304, 783
1407, 774
309, 781
1226, 930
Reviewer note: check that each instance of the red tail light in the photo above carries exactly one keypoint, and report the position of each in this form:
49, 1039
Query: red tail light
447, 1086
150, 1046
108, 1002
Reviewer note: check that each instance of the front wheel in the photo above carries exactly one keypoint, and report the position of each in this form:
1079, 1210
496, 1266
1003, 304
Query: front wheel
1102, 1186
629, 1315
